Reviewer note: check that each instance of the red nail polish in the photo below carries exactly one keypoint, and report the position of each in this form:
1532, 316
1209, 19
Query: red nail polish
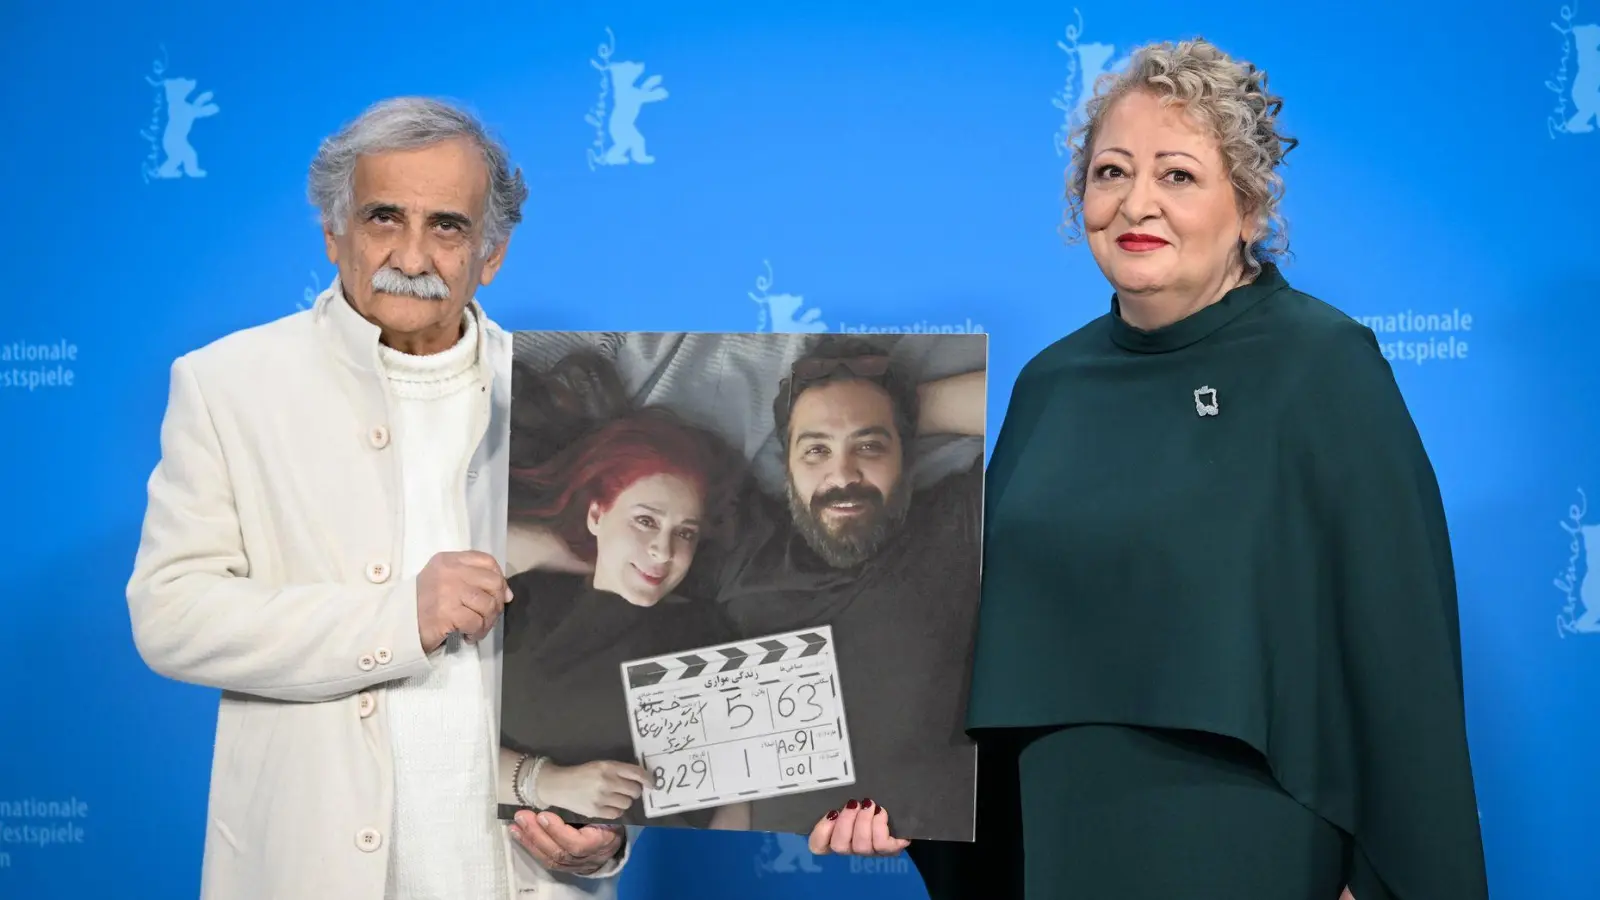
833, 814
851, 805
867, 803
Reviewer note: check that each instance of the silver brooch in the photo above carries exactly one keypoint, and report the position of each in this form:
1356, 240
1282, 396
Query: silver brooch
1205, 401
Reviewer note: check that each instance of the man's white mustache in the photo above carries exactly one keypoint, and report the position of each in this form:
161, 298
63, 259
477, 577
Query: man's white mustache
426, 287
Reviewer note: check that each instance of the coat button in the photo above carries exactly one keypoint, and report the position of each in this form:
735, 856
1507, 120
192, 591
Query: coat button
379, 437
377, 572
367, 703
368, 839
383, 656
366, 662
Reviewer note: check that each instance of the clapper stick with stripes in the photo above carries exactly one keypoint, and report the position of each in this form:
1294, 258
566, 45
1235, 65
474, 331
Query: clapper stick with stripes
737, 722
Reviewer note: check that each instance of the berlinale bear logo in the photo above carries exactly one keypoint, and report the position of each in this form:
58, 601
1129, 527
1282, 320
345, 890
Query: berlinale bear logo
1580, 591
1586, 85
171, 154
1086, 63
1580, 84
617, 140
784, 313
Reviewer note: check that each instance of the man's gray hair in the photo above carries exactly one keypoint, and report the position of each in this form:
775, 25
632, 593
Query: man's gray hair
407, 123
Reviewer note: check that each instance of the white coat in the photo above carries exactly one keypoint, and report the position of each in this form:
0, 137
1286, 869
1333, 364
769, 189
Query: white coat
267, 568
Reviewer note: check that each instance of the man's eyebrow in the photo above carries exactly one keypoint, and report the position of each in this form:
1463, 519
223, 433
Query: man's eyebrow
868, 431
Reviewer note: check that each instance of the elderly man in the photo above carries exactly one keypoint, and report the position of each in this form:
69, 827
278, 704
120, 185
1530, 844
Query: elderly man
324, 541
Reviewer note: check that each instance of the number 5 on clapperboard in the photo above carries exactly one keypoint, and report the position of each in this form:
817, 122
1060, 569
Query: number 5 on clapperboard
742, 721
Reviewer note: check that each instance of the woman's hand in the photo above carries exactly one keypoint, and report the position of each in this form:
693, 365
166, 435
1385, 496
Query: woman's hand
858, 829
599, 790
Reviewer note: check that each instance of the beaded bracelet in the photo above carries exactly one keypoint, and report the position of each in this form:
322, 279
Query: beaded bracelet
516, 780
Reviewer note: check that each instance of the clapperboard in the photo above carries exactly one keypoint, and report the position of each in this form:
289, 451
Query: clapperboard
735, 722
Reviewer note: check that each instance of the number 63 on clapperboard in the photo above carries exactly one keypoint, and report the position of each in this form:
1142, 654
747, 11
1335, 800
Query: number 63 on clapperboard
740, 721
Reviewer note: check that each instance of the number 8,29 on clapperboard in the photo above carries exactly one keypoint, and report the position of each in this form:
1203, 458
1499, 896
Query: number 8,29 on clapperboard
742, 721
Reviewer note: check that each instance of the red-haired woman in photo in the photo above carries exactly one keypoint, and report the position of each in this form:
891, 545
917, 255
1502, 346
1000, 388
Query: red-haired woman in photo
622, 509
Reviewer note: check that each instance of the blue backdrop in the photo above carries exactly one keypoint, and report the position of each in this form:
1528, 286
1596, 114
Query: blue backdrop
756, 166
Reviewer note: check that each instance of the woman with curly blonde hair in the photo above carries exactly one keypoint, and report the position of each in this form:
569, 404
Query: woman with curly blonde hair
1218, 651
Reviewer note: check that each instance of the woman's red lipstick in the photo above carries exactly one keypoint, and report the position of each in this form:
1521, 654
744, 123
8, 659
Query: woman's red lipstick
1135, 242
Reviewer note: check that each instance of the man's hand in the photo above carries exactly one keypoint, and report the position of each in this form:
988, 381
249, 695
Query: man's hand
561, 848
460, 591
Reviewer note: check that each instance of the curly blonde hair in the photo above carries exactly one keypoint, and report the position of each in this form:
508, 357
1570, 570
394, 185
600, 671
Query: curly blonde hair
1230, 98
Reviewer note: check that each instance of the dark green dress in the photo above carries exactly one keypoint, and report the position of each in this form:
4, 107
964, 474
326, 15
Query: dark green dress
1218, 651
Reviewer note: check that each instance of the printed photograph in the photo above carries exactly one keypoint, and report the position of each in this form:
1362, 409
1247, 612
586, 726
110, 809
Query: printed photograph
745, 570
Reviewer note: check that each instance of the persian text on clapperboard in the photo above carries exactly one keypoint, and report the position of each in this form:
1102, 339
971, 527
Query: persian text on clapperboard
741, 721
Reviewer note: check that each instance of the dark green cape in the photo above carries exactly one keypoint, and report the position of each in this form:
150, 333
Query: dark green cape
1279, 572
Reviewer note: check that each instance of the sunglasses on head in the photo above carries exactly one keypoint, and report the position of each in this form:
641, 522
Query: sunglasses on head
859, 366
806, 371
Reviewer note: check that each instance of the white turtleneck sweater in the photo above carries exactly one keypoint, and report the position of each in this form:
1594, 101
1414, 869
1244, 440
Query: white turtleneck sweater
447, 843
